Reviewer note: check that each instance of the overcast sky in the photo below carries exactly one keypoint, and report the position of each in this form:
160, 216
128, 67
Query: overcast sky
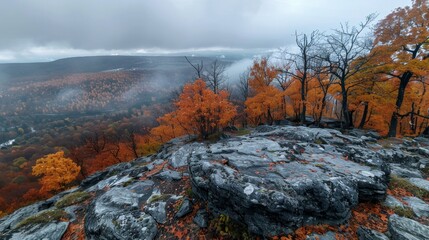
51, 29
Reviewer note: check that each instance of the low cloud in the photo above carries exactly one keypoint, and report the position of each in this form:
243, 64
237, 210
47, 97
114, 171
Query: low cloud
55, 28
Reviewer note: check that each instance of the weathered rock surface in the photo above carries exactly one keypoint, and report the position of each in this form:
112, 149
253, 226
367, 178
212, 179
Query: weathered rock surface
272, 181
421, 183
368, 234
392, 202
402, 228
51, 231
400, 171
278, 179
419, 207
10, 222
169, 175
116, 215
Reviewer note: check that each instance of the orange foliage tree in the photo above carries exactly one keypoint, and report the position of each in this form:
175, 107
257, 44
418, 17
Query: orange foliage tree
403, 39
199, 111
57, 171
266, 102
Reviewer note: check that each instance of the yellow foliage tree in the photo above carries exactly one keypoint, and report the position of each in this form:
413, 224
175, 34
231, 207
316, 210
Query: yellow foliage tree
57, 171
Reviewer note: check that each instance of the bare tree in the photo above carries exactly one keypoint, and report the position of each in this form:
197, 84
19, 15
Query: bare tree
215, 75
131, 141
243, 85
95, 141
198, 67
346, 52
299, 65
324, 81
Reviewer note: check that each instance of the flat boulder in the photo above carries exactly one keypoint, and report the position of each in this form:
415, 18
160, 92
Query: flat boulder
116, 215
281, 178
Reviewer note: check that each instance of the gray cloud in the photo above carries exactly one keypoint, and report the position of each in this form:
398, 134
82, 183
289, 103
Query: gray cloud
41, 28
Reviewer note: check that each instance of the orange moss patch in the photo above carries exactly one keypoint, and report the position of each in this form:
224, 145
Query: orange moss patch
74, 232
399, 193
368, 215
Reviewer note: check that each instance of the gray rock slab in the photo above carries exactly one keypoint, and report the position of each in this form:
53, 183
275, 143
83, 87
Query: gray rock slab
369, 234
421, 183
402, 228
51, 231
169, 175
392, 202
116, 215
419, 207
403, 172
9, 222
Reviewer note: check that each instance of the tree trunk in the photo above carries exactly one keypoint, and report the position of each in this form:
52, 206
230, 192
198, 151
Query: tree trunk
364, 115
303, 108
405, 78
345, 109
322, 107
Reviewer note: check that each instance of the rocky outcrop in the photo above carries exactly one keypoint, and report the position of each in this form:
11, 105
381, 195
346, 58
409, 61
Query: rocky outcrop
271, 182
279, 179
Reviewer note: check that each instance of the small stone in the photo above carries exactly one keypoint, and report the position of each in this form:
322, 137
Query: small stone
169, 175
157, 211
202, 218
185, 208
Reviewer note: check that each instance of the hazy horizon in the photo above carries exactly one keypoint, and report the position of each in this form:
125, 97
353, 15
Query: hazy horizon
49, 30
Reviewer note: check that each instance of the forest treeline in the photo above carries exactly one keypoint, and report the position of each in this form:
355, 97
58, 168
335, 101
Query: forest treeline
365, 76
373, 75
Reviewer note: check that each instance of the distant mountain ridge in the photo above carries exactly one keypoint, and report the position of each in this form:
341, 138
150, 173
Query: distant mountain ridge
39, 71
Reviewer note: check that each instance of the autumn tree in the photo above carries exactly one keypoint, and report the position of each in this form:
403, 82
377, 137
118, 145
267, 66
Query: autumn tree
264, 105
403, 38
198, 111
56, 170
346, 53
